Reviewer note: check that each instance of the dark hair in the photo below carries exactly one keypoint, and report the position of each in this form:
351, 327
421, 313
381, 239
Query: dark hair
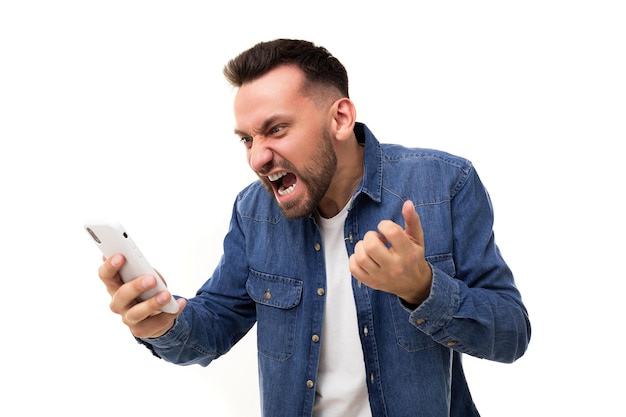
319, 66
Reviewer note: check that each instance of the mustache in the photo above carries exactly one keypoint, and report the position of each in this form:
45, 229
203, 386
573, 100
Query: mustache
273, 165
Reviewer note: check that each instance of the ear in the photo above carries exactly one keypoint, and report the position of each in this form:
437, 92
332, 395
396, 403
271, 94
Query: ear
343, 118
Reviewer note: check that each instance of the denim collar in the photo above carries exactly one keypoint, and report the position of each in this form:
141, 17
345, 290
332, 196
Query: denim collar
372, 182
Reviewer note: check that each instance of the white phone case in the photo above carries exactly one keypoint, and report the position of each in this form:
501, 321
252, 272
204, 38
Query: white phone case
111, 238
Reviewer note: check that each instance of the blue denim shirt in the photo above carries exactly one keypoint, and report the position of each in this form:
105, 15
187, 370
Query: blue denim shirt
272, 273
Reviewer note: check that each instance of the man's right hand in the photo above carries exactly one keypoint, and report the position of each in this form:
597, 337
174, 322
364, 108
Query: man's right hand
142, 318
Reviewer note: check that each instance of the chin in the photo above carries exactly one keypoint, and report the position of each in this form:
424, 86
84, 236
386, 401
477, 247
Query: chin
296, 210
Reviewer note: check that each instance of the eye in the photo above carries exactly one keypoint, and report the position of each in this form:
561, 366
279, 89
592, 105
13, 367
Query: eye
246, 140
276, 129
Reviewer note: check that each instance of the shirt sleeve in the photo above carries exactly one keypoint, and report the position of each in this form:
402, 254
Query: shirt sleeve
219, 315
479, 310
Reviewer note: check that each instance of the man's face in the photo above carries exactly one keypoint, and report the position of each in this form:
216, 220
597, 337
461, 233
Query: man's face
287, 140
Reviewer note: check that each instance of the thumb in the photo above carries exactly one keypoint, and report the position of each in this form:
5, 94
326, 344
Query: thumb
412, 223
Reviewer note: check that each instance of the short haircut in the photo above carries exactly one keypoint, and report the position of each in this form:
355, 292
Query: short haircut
320, 68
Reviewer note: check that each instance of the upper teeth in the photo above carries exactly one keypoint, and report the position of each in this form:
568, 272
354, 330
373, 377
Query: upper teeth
277, 176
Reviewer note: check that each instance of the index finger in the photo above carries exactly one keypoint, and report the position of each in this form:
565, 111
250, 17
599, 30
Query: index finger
108, 273
401, 239
412, 223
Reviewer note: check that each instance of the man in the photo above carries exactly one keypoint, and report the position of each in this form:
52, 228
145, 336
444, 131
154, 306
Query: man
369, 269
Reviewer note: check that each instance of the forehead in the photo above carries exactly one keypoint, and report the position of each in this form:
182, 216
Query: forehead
278, 91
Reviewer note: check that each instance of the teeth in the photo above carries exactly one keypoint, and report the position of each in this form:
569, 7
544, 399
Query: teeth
285, 191
277, 176
281, 190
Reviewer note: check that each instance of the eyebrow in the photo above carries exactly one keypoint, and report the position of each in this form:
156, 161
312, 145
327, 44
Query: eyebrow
269, 122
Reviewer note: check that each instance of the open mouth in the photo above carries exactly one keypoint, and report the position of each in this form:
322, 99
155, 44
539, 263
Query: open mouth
283, 182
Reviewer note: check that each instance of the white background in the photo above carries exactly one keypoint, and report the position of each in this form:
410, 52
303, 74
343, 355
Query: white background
119, 109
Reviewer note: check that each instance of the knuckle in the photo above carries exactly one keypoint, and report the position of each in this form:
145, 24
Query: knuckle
360, 256
370, 242
103, 272
113, 307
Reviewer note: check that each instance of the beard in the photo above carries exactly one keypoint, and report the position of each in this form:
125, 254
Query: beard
316, 176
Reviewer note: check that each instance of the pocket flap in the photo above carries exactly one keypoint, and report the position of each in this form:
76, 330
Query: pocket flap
273, 290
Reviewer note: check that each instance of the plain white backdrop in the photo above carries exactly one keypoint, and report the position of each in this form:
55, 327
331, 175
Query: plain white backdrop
119, 109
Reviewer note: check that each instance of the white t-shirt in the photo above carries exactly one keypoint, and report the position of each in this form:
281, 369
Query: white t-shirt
341, 388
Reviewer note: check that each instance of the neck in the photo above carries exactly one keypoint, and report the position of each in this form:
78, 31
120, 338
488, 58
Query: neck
346, 180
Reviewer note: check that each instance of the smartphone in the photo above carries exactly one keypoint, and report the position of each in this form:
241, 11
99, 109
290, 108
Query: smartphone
112, 238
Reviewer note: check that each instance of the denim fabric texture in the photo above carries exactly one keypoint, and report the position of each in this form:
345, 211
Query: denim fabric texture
272, 274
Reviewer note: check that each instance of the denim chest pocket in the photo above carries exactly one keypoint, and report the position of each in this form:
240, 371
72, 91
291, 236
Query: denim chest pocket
277, 299
408, 336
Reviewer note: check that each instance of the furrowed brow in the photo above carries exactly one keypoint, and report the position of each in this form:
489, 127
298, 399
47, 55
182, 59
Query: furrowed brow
267, 124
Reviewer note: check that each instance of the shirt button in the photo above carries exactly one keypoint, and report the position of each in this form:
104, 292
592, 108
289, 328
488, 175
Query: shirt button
365, 331
309, 384
420, 321
318, 247
315, 338
451, 343
267, 295
320, 291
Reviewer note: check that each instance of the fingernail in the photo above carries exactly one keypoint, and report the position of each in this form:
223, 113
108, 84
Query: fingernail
116, 260
147, 281
163, 297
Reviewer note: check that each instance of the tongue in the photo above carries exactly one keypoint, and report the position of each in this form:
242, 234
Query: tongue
289, 180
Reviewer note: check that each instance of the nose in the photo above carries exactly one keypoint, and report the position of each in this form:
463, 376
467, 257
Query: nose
260, 157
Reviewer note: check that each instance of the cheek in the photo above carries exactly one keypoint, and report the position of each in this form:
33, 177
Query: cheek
297, 151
